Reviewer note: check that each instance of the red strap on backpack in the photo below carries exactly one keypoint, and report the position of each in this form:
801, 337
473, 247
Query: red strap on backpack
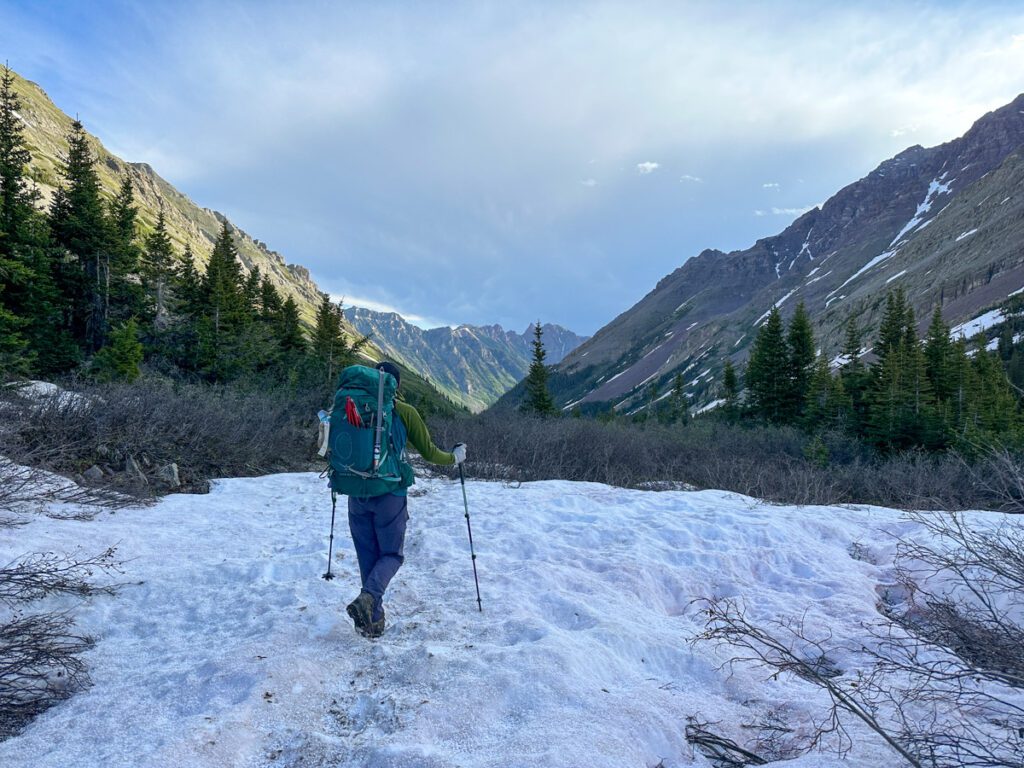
352, 413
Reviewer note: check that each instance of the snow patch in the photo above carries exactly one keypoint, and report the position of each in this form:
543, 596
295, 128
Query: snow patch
981, 323
965, 235
710, 406
935, 188
899, 274
776, 305
870, 265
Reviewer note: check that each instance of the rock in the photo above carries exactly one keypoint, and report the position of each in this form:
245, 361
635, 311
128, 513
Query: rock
168, 475
93, 474
108, 470
134, 471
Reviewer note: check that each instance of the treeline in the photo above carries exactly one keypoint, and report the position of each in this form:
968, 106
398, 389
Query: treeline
80, 291
934, 393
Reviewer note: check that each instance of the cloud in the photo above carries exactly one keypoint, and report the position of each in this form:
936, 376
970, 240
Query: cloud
786, 211
589, 182
439, 139
770, 185
647, 167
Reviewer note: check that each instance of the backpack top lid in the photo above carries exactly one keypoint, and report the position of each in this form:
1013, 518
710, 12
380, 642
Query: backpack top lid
367, 380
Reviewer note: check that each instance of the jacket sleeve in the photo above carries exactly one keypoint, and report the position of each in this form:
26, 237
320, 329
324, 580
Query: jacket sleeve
420, 437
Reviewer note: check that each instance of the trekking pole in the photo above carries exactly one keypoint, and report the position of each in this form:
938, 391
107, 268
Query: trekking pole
469, 528
330, 547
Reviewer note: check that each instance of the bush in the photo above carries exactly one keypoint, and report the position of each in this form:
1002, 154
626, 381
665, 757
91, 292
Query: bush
778, 464
208, 431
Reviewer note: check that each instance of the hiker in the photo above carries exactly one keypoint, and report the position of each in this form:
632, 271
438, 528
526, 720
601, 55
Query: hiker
378, 511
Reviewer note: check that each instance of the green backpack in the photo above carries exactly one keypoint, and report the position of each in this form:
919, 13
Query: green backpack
365, 461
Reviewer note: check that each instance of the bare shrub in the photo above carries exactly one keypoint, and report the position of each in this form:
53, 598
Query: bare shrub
207, 431
49, 573
943, 674
722, 752
40, 665
26, 490
766, 462
40, 653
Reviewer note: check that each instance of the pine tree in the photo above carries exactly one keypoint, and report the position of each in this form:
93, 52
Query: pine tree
159, 273
119, 360
854, 378
121, 262
251, 291
270, 301
730, 393
827, 405
17, 197
79, 226
937, 352
892, 330
538, 398
330, 347
900, 402
33, 333
768, 372
801, 360
679, 409
289, 328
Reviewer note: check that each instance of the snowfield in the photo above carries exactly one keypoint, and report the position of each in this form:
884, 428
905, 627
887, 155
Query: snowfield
226, 648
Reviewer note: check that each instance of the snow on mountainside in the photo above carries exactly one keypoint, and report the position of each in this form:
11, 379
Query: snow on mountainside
226, 648
473, 365
945, 223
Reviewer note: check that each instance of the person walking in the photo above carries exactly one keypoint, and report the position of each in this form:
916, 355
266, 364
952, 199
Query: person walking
378, 523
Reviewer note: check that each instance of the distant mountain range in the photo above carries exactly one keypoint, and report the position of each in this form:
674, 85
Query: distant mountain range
946, 223
474, 365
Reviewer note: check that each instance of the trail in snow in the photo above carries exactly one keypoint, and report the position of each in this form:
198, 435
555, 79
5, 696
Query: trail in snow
226, 648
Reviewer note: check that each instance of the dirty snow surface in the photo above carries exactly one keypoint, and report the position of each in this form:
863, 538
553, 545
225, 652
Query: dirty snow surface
225, 647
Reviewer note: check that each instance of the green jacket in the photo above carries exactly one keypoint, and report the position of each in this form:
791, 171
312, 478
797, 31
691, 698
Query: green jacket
419, 437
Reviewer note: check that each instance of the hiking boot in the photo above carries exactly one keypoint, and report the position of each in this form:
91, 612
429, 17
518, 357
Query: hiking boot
375, 628
361, 611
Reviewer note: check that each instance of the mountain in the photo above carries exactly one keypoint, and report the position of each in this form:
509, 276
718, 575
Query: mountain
46, 128
474, 365
946, 223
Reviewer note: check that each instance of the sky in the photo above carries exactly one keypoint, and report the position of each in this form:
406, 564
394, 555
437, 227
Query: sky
507, 162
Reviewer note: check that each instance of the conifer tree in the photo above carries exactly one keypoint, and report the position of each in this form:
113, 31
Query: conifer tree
801, 360
730, 393
768, 372
121, 358
159, 273
937, 353
120, 265
892, 330
854, 378
251, 290
33, 328
827, 405
330, 347
188, 284
679, 404
270, 301
79, 227
538, 398
17, 197
289, 328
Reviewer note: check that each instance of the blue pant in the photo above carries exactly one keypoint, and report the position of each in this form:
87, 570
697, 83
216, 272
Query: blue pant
378, 532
